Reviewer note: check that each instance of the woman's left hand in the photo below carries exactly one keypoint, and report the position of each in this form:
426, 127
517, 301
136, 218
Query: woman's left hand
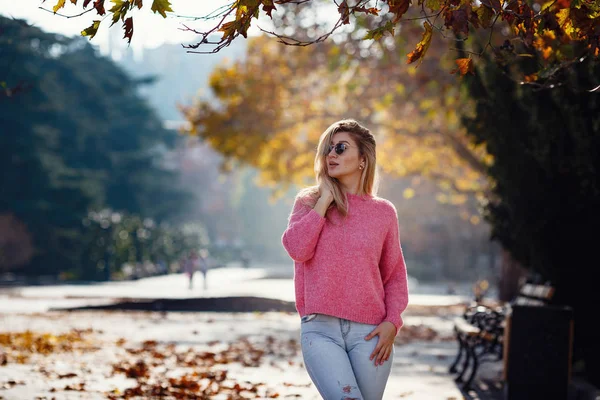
387, 333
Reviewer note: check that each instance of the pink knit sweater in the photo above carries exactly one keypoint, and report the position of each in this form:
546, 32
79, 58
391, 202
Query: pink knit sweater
350, 268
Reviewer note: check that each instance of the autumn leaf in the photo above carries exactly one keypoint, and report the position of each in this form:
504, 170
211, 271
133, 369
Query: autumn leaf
434, 5
464, 66
344, 12
399, 8
419, 52
485, 15
268, 7
99, 6
161, 7
228, 29
119, 10
85, 3
128, 28
91, 30
457, 19
566, 23
245, 10
60, 4
493, 4
137, 3
20, 345
378, 33
371, 10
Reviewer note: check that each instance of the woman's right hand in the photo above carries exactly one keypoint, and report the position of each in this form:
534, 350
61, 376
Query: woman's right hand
325, 199
325, 192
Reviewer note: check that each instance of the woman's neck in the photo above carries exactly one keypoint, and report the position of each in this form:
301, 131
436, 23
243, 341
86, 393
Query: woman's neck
350, 187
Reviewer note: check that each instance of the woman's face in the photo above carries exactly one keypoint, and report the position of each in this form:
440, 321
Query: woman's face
343, 165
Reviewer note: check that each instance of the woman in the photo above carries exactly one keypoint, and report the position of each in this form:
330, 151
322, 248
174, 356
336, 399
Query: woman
349, 271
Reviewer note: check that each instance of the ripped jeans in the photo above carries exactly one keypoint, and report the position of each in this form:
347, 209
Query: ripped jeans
336, 356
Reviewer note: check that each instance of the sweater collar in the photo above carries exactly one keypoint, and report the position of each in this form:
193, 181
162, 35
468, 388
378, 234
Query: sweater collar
363, 197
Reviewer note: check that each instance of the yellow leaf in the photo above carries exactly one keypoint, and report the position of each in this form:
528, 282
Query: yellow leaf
433, 5
419, 52
465, 65
91, 30
408, 193
564, 21
60, 4
161, 7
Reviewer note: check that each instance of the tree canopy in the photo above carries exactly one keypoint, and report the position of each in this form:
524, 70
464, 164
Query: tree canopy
57, 165
561, 32
274, 103
544, 203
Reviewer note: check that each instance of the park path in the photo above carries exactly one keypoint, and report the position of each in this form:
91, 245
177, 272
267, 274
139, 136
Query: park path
269, 281
419, 369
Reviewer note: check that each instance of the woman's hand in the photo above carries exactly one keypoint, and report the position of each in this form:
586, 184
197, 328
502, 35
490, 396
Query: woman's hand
325, 198
387, 333
325, 191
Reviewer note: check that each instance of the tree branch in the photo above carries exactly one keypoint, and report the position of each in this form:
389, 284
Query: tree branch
66, 16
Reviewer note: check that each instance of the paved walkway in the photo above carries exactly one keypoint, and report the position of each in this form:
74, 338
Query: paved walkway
272, 282
419, 369
418, 372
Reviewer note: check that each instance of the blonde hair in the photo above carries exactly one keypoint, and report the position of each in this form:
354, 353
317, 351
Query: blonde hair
369, 178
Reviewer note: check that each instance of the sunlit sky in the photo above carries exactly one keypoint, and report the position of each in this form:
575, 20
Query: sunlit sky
150, 30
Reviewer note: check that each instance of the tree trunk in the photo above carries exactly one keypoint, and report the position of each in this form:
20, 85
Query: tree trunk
511, 276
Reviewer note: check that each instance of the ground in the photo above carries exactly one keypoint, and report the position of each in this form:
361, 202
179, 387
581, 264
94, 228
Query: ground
116, 354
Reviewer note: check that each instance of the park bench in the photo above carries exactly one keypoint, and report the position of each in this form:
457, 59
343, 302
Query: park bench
480, 331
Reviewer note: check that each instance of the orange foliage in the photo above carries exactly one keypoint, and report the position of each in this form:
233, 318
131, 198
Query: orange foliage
573, 22
274, 104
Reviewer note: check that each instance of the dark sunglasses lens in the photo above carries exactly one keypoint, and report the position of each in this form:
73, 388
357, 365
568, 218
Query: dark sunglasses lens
339, 148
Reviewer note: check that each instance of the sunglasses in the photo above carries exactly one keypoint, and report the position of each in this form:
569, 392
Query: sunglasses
339, 148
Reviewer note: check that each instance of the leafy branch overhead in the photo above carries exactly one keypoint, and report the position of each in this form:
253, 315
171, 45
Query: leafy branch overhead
119, 11
559, 31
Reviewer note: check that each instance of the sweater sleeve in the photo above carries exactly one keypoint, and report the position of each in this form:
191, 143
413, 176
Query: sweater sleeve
394, 276
303, 231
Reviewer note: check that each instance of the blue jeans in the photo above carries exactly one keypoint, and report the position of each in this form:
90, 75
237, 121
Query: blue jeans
336, 356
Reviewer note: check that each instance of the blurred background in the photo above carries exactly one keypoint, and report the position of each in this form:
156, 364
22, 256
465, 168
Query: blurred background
122, 154
118, 159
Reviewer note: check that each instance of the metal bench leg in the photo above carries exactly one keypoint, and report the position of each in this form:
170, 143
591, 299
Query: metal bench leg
459, 354
473, 356
465, 365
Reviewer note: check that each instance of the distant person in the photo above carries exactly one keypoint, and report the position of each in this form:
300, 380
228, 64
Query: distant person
162, 267
203, 263
189, 267
451, 289
245, 258
349, 273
